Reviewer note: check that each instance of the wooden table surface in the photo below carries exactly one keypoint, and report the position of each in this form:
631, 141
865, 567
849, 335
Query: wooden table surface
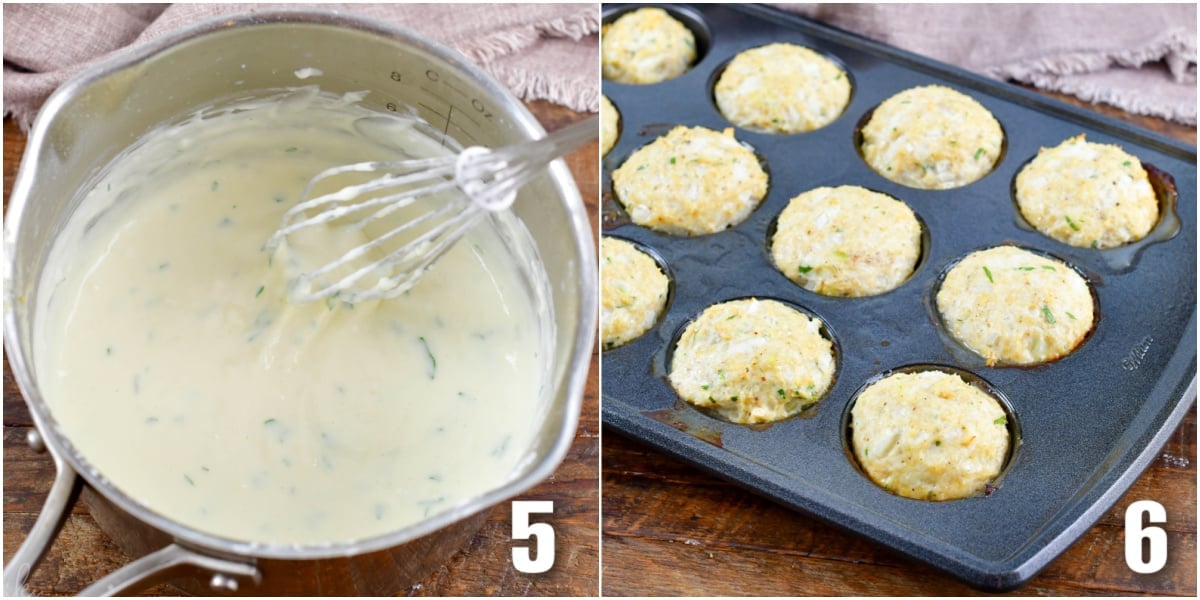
670, 529
84, 553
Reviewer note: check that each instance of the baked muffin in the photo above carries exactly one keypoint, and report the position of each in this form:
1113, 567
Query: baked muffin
1013, 307
752, 361
610, 122
633, 292
1087, 195
846, 241
932, 138
645, 46
929, 435
691, 181
782, 88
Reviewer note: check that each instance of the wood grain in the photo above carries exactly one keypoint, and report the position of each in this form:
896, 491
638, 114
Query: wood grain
670, 529
84, 553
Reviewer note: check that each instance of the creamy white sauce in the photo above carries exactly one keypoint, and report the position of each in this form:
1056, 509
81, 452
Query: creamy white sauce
168, 352
306, 72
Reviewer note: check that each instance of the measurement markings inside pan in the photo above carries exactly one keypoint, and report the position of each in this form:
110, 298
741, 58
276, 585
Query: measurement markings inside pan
448, 122
462, 113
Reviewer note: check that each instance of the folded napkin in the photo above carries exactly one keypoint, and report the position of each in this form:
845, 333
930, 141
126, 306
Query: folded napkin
539, 51
1140, 58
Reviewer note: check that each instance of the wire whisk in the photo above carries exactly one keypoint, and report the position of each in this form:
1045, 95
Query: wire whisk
392, 226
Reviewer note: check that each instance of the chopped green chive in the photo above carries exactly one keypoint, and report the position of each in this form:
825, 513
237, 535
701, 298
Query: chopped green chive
733, 398
1049, 267
840, 254
268, 421
432, 371
672, 160
331, 301
1024, 268
164, 266
988, 272
291, 149
780, 392
1001, 420
937, 442
1071, 316
215, 185
260, 291
978, 153
838, 78
704, 387
1095, 243
730, 317
805, 268
1127, 163
108, 350
189, 480
1071, 223
641, 168
1046, 313
204, 468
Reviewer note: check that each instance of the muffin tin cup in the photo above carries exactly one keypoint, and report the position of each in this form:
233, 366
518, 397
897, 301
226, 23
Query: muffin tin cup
1090, 422
1013, 421
824, 331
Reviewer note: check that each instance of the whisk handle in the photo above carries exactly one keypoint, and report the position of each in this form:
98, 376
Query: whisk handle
561, 142
572, 136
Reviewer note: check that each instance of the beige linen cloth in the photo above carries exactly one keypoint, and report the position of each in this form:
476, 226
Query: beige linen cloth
1138, 57
539, 51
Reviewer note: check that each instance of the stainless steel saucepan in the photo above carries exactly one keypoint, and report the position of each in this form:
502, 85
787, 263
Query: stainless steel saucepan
98, 114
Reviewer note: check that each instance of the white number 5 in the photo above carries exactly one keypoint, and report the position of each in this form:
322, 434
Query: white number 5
1135, 532
542, 533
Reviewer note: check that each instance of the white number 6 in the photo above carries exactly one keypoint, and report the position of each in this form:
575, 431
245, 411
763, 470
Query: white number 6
1135, 533
542, 533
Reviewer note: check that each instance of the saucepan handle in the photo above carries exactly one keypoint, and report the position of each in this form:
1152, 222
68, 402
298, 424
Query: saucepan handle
153, 568
45, 529
164, 564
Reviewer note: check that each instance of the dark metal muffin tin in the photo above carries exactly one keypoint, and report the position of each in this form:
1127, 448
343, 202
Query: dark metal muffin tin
1090, 423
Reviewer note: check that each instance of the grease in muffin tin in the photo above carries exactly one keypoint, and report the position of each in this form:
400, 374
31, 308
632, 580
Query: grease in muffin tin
646, 46
691, 181
929, 435
1013, 307
1087, 194
932, 137
633, 292
752, 361
846, 241
782, 88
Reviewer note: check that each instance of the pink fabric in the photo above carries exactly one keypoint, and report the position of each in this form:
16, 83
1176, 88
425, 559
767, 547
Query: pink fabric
1138, 57
540, 51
